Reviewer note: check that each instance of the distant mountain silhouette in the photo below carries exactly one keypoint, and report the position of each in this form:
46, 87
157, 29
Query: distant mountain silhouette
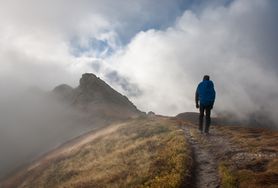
255, 120
191, 117
94, 96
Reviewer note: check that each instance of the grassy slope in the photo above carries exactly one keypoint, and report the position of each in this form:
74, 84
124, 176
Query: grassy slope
257, 166
145, 152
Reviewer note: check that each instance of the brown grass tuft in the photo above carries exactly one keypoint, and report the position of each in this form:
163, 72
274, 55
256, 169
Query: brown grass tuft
228, 179
258, 165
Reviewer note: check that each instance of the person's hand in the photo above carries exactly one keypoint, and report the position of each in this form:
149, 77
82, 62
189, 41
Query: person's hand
197, 105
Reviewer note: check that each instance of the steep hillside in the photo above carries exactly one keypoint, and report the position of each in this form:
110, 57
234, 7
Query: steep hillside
144, 152
34, 122
96, 98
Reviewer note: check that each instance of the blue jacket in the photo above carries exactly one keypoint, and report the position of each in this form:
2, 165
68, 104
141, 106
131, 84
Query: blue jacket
205, 93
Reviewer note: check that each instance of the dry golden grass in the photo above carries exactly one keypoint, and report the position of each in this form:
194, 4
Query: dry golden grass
228, 180
145, 152
257, 164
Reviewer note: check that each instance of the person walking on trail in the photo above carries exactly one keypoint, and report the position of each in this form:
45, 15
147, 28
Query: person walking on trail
205, 95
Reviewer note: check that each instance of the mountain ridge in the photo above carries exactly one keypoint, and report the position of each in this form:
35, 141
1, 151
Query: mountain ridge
95, 96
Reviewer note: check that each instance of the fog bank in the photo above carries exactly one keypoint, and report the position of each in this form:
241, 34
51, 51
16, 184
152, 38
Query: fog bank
33, 122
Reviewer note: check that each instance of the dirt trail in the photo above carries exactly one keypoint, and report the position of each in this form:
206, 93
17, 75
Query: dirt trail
239, 148
207, 150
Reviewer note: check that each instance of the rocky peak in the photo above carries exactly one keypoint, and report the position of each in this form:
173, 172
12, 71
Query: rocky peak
95, 96
88, 80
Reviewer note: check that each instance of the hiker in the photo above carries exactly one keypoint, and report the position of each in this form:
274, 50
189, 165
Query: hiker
205, 94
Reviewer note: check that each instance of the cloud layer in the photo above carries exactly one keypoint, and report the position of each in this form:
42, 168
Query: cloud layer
235, 44
156, 52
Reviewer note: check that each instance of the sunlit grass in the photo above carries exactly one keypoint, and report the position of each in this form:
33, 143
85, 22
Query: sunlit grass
141, 153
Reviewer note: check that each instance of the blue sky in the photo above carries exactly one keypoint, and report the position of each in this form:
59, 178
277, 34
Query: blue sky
158, 15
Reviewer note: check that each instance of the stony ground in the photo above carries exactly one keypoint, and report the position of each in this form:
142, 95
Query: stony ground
205, 173
229, 157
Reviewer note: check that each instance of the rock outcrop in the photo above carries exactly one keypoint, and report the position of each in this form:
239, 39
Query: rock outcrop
94, 96
63, 91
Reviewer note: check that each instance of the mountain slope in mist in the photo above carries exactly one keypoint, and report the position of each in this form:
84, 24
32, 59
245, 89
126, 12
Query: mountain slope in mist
33, 122
143, 152
255, 120
94, 96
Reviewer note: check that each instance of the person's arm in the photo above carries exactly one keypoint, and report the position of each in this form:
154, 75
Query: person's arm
213, 95
197, 98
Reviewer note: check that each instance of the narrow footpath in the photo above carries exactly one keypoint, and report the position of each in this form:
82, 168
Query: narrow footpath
205, 172
208, 151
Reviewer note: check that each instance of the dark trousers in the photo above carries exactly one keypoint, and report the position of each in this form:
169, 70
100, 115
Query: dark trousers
203, 109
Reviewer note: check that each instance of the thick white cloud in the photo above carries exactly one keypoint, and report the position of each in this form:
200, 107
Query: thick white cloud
49, 42
224, 42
